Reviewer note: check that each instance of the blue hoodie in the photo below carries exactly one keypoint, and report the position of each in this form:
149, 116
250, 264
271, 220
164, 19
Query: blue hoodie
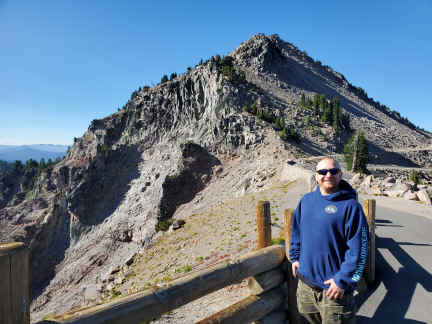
329, 238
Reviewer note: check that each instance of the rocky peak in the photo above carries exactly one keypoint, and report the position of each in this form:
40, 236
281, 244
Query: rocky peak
268, 54
140, 165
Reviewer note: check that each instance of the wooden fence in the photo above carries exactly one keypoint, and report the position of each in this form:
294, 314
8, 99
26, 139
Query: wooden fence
272, 290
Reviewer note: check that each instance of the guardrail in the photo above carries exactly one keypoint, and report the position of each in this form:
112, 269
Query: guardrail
268, 301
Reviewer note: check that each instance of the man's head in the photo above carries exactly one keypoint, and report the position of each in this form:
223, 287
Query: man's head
328, 174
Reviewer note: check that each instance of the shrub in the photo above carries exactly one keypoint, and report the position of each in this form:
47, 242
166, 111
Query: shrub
289, 133
268, 116
278, 240
164, 78
415, 177
187, 268
163, 225
115, 293
279, 124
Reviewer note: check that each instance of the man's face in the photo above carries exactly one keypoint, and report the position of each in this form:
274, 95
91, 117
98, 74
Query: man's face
328, 183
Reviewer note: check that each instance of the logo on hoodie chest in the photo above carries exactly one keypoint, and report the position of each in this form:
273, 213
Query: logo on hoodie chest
331, 209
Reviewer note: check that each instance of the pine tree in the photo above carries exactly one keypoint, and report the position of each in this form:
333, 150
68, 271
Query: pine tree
336, 118
253, 108
415, 177
42, 164
356, 153
279, 124
316, 102
363, 154
322, 103
303, 100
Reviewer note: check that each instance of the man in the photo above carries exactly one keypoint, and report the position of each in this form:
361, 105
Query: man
328, 247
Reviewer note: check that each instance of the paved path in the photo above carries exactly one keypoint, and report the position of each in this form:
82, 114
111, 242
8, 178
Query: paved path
403, 291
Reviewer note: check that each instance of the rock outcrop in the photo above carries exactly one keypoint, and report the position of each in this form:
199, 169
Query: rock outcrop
134, 169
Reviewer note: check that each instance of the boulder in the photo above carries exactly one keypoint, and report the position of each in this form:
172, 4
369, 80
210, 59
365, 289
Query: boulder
389, 180
375, 191
125, 235
413, 185
357, 179
398, 190
178, 223
218, 170
367, 181
410, 195
119, 280
91, 292
113, 270
130, 259
424, 197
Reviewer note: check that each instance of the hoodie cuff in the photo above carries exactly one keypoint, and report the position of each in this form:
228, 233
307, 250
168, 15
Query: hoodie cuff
340, 283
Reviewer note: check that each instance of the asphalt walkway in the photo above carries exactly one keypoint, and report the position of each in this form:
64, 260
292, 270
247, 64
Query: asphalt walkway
403, 289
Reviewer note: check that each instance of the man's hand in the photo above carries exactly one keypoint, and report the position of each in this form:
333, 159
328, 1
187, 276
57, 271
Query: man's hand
334, 292
294, 267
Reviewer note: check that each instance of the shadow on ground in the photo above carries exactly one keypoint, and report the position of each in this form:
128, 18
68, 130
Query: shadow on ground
380, 156
400, 284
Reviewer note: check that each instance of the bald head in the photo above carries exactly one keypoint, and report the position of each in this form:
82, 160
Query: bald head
327, 159
329, 176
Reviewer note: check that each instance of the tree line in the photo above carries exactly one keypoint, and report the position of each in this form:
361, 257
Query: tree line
29, 165
327, 111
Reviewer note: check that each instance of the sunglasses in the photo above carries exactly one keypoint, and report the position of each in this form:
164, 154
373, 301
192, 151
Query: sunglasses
332, 171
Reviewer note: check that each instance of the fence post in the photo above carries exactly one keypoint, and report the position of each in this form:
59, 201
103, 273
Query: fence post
369, 207
263, 221
293, 314
288, 216
14, 284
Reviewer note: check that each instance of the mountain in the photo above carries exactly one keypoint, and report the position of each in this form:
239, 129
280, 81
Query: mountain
11, 153
224, 129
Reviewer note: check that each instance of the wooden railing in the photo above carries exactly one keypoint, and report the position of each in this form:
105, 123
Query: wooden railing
268, 301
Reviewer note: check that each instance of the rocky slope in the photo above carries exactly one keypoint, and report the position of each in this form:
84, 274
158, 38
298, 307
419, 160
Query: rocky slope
132, 171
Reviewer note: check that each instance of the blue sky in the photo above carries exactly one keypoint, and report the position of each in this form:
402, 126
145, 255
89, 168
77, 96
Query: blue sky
64, 63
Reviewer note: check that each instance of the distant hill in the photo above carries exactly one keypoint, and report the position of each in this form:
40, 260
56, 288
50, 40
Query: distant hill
36, 152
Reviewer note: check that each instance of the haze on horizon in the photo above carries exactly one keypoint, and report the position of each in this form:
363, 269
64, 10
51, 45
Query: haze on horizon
67, 63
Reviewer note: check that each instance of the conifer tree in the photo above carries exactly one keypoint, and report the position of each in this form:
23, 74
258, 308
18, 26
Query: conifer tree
336, 118
303, 100
356, 153
279, 124
322, 102
253, 108
316, 103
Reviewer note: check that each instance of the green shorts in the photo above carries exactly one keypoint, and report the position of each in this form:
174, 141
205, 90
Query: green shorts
315, 307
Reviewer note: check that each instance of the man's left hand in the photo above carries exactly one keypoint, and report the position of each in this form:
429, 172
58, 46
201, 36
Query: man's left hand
334, 292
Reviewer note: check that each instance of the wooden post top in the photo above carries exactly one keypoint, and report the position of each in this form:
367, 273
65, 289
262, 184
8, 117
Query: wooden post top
11, 248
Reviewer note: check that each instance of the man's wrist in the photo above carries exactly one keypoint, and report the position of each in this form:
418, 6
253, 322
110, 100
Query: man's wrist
340, 283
